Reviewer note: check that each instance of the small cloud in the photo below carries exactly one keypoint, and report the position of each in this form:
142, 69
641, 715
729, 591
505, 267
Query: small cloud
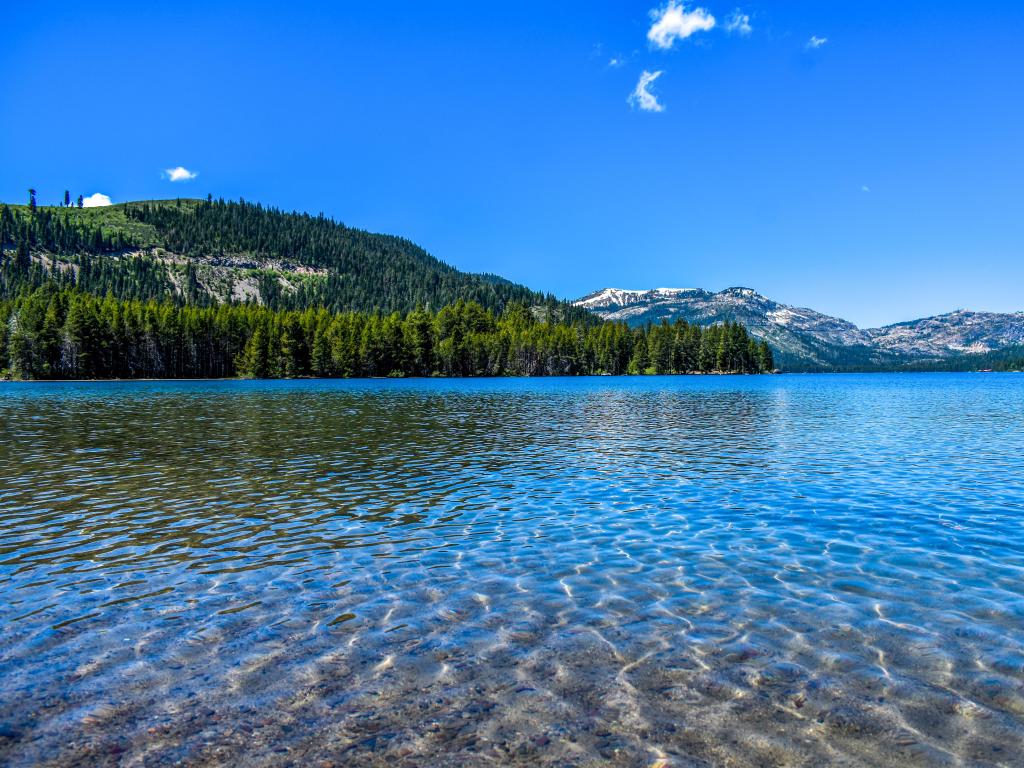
739, 23
865, 188
97, 200
615, 62
816, 42
642, 98
674, 22
179, 174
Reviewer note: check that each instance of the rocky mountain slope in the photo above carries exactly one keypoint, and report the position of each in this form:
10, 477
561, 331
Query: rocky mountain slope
804, 338
959, 332
209, 252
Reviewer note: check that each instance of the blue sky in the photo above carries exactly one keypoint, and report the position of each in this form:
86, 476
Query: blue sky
862, 158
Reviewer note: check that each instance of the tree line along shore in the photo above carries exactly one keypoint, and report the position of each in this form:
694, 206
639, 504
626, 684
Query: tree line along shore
59, 333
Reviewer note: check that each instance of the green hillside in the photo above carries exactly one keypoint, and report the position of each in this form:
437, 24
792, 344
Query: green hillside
211, 252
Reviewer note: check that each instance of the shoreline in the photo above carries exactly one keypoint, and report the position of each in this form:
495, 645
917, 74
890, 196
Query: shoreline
496, 378
391, 378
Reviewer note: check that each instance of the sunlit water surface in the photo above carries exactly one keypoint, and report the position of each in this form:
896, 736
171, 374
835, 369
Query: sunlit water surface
676, 571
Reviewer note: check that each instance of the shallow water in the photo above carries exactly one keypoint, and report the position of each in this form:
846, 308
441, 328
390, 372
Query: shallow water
726, 571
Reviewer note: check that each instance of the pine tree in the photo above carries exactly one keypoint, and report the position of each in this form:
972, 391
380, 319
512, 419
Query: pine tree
254, 361
84, 338
49, 340
765, 359
320, 356
420, 342
640, 361
22, 255
707, 355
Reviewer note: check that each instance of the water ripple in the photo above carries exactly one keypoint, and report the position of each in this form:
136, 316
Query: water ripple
679, 571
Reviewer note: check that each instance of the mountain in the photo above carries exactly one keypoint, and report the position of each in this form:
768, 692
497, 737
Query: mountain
955, 333
209, 252
804, 339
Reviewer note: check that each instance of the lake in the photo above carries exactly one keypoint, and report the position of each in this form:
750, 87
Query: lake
682, 571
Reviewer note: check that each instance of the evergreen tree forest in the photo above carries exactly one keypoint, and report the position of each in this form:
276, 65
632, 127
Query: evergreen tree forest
326, 263
84, 293
1002, 360
55, 332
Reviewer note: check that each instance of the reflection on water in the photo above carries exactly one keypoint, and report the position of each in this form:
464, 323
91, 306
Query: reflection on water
682, 571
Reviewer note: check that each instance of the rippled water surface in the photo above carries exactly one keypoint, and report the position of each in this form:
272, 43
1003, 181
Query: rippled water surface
686, 571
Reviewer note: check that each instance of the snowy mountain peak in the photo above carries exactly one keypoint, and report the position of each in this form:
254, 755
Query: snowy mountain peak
624, 296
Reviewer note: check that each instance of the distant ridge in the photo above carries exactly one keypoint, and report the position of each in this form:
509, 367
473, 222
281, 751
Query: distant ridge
806, 339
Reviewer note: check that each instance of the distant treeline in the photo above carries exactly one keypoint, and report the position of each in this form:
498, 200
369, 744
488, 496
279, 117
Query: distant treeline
1008, 359
52, 333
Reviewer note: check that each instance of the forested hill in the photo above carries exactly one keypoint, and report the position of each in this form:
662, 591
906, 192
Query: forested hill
210, 252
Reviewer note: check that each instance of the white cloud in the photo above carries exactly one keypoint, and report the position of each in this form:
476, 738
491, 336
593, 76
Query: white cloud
816, 42
674, 22
615, 62
739, 23
642, 97
97, 200
865, 188
179, 174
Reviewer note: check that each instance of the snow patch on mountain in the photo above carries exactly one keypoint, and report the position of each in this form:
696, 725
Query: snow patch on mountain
808, 335
960, 332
